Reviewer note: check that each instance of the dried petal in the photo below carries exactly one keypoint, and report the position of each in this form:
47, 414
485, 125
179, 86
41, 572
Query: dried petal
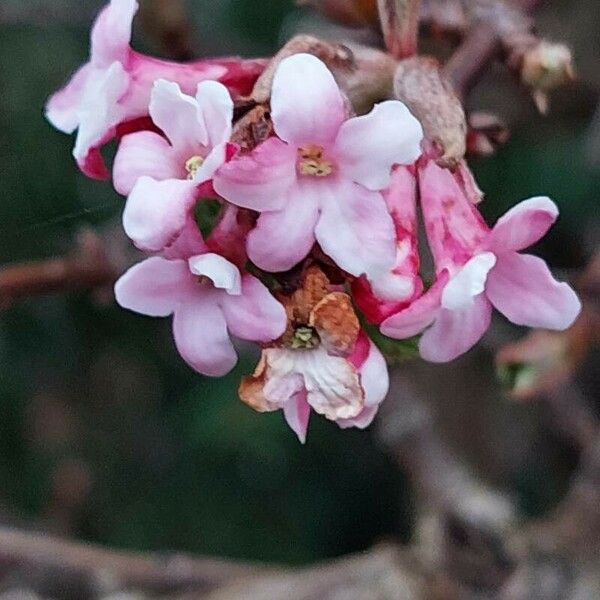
336, 323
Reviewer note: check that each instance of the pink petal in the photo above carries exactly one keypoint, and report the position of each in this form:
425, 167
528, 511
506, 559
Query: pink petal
362, 421
216, 110
522, 288
283, 238
154, 287
259, 180
375, 381
156, 211
419, 315
456, 331
61, 109
401, 200
455, 229
254, 314
178, 115
367, 147
391, 292
201, 337
111, 34
224, 275
92, 164
189, 242
99, 112
145, 153
523, 225
355, 229
306, 103
374, 377
228, 237
392, 287
297, 413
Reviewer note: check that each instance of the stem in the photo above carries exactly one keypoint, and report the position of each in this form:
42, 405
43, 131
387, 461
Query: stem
479, 48
57, 558
86, 268
400, 26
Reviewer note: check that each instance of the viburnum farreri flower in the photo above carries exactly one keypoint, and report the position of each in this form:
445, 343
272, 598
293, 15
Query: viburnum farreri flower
114, 87
162, 176
321, 178
322, 362
477, 268
209, 299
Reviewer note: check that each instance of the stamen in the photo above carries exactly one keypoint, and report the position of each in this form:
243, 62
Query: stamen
204, 281
192, 165
305, 338
312, 161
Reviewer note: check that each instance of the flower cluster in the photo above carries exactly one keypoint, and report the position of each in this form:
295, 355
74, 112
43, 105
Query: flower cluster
315, 223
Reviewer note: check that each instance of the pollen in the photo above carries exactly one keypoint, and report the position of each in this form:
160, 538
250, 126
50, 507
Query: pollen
192, 165
312, 161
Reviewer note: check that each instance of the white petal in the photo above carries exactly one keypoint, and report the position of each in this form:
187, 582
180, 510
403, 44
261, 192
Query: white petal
224, 275
468, 282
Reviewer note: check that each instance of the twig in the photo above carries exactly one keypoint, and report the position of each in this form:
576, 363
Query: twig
480, 47
463, 526
150, 573
86, 268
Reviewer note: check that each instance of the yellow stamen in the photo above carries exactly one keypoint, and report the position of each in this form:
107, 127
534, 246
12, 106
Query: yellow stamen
312, 161
192, 165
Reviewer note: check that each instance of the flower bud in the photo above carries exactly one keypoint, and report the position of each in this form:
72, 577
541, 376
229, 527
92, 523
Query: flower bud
420, 85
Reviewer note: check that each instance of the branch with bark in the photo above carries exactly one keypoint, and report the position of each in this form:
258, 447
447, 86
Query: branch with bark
88, 267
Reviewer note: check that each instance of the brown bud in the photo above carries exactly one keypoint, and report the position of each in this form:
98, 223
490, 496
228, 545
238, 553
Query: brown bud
333, 55
365, 75
253, 128
545, 67
419, 83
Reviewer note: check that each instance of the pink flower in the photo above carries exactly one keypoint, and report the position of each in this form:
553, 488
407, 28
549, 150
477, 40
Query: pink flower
343, 391
114, 86
394, 291
320, 179
323, 362
209, 299
161, 175
478, 268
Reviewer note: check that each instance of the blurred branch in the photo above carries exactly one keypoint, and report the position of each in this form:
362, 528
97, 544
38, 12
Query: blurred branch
505, 27
484, 40
61, 560
167, 22
545, 363
400, 25
87, 267
463, 526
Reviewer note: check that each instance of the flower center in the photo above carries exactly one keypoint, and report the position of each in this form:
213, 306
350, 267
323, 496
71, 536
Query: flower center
305, 338
192, 165
312, 161
204, 281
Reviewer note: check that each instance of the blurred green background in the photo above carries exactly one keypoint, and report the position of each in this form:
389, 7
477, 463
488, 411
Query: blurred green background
104, 433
